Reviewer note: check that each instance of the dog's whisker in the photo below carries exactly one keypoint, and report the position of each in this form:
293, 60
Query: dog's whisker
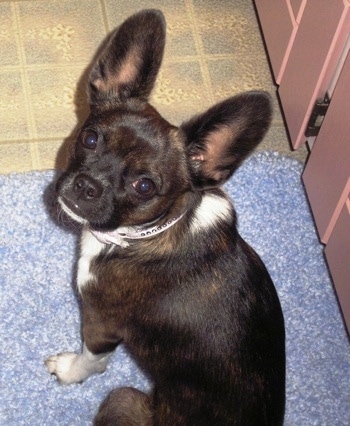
65, 219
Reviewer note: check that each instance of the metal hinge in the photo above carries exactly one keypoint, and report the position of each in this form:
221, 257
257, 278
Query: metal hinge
317, 116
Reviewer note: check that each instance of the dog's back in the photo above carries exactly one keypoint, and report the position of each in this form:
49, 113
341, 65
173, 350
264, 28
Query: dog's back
204, 320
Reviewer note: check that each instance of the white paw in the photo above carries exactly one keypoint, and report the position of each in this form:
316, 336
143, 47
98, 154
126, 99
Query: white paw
64, 367
73, 368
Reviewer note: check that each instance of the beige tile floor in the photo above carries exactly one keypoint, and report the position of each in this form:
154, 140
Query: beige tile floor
214, 50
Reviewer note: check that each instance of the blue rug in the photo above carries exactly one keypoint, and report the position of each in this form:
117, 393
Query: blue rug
39, 314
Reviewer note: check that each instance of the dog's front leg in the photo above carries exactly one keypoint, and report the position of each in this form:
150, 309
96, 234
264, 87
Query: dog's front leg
71, 368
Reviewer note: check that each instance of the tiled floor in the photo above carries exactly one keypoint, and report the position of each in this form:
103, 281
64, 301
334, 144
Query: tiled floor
214, 50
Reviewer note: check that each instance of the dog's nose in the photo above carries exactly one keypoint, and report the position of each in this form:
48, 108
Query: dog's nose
87, 188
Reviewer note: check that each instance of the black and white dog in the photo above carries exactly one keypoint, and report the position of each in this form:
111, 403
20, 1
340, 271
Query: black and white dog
162, 266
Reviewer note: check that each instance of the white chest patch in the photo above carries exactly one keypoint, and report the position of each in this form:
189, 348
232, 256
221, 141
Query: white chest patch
211, 210
89, 249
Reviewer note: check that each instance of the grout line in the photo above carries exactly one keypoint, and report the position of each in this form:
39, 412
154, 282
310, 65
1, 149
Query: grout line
26, 87
103, 8
35, 67
35, 140
199, 47
81, 65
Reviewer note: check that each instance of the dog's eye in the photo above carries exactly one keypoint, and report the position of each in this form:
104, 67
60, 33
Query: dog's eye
89, 139
144, 187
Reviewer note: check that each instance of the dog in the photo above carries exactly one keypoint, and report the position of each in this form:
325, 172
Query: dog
162, 267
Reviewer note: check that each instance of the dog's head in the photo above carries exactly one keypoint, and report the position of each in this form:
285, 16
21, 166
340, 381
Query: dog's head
130, 166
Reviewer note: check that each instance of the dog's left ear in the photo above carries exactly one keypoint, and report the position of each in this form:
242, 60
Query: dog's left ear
221, 138
128, 66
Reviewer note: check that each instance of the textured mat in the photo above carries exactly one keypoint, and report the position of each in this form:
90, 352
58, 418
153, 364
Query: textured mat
39, 314
214, 50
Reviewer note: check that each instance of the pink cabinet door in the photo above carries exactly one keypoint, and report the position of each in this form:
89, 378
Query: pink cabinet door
326, 176
338, 258
279, 27
297, 8
319, 41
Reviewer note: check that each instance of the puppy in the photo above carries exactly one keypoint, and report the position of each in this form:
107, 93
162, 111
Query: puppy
162, 266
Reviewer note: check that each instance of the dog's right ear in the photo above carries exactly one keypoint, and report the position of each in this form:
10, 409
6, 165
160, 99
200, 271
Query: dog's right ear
128, 66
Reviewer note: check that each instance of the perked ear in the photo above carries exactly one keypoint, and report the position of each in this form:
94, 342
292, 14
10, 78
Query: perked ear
129, 64
221, 138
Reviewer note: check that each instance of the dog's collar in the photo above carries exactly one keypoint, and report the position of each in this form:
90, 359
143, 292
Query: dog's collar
119, 235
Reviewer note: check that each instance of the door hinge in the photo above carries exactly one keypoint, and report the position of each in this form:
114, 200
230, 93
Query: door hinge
317, 116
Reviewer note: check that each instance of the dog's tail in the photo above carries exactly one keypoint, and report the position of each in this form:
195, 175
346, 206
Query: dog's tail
125, 406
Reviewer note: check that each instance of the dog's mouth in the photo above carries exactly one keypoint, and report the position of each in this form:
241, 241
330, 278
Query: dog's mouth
71, 209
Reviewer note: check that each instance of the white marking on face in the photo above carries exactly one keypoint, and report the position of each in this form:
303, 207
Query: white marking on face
211, 210
70, 213
90, 247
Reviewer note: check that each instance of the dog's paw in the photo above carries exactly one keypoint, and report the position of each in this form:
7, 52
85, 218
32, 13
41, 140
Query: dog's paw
65, 367
73, 368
